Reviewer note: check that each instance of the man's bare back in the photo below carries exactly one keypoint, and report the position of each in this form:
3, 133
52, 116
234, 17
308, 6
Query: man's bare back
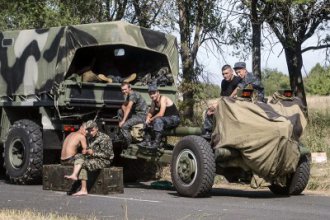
72, 142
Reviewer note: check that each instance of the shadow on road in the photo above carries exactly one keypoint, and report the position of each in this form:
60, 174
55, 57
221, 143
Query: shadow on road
253, 194
151, 185
243, 193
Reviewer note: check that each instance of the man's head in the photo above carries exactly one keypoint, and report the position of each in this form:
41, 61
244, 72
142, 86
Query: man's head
153, 92
227, 72
83, 129
91, 128
126, 88
240, 69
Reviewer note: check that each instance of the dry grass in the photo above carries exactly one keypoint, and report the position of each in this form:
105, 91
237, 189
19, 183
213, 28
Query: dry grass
320, 177
318, 103
9, 214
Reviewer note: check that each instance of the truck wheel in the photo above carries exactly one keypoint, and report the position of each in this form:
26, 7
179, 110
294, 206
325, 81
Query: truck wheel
193, 167
297, 182
23, 152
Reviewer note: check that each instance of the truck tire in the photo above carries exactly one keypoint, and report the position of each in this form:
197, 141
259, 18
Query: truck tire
23, 153
297, 182
193, 167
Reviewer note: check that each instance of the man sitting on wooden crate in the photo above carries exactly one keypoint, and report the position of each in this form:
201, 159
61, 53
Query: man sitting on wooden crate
98, 155
71, 144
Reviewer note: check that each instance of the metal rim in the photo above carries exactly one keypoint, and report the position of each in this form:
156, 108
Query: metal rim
16, 153
186, 167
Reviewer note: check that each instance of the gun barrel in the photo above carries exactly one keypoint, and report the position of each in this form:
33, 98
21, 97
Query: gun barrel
183, 131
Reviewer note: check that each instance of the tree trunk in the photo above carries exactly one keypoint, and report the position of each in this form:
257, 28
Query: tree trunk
187, 84
256, 39
294, 62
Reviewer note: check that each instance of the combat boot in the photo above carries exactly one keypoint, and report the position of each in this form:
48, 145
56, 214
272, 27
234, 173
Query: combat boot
102, 77
156, 143
130, 78
207, 135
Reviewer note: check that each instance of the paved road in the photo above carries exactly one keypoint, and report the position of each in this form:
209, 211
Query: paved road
143, 203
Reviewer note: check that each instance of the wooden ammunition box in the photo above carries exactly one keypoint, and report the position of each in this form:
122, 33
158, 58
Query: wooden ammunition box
104, 181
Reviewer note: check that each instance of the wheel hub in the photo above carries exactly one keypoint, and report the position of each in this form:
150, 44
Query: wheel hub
187, 166
16, 153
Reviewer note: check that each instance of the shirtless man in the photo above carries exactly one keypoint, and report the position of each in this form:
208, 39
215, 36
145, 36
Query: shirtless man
71, 144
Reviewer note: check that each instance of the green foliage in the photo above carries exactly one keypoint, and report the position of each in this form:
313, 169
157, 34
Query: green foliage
318, 81
274, 80
34, 14
202, 93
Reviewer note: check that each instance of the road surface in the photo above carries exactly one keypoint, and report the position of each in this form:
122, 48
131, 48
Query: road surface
141, 202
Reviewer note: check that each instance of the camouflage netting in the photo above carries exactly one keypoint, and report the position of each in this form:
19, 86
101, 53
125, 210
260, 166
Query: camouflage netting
32, 62
267, 140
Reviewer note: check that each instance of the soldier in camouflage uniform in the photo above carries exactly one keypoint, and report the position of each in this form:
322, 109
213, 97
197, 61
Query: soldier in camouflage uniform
132, 112
99, 155
248, 80
163, 114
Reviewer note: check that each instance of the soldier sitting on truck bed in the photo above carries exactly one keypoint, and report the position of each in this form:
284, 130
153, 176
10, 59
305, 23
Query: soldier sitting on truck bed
98, 155
163, 114
132, 112
71, 144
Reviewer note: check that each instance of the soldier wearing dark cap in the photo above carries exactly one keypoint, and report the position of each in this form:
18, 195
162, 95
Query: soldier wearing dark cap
99, 154
163, 114
248, 79
132, 112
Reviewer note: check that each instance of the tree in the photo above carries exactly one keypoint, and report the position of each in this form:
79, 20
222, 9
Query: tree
28, 14
318, 81
293, 22
198, 22
274, 80
31, 14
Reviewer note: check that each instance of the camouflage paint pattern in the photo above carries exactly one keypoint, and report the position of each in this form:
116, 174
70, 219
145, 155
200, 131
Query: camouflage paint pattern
32, 62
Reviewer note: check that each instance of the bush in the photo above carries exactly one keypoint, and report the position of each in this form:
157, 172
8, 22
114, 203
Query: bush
318, 81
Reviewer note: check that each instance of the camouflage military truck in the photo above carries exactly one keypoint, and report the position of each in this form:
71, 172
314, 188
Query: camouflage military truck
253, 142
45, 92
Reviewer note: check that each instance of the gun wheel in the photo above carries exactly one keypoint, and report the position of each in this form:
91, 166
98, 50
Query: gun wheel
193, 167
297, 182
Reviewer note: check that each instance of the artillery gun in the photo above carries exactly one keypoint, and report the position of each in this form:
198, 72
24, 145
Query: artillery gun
252, 143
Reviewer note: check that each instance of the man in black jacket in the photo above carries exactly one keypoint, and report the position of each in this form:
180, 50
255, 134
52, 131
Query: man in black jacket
228, 86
